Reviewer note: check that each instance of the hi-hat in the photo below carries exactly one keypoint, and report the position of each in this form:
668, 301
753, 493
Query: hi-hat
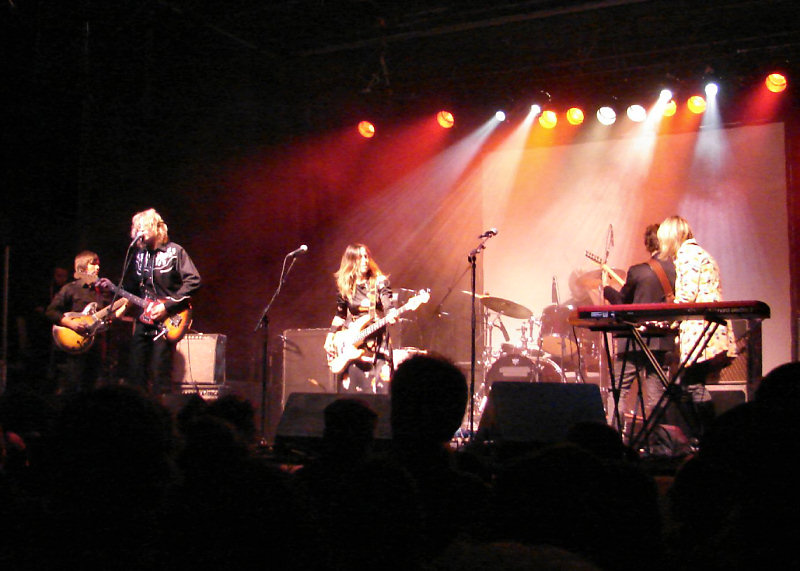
593, 279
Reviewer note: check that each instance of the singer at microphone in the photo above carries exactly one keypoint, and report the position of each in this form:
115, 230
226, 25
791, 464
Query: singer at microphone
163, 278
140, 237
301, 250
489, 233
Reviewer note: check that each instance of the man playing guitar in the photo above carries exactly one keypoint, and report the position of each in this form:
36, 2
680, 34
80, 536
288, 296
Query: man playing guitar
161, 278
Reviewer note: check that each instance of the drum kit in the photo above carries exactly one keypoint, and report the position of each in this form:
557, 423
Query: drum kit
548, 348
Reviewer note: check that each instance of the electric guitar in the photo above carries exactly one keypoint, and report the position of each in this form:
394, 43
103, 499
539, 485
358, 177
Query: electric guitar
348, 342
173, 326
74, 343
598, 260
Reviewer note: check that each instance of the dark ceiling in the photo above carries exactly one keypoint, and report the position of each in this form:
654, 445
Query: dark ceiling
330, 55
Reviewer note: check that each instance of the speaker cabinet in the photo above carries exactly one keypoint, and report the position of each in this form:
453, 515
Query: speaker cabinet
199, 360
305, 365
538, 413
726, 396
302, 422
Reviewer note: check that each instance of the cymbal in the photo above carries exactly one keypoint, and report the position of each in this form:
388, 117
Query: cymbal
506, 307
593, 279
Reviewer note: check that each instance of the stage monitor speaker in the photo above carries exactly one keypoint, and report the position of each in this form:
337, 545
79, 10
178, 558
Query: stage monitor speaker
302, 423
199, 359
540, 413
305, 365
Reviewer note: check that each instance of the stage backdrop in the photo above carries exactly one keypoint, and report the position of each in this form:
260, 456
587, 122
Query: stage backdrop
551, 204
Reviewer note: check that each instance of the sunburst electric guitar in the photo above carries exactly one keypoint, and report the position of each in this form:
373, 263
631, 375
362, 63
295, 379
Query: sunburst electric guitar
172, 327
598, 260
349, 342
74, 343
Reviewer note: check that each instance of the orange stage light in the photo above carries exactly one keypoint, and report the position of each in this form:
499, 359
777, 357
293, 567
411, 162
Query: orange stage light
776, 82
548, 119
366, 129
696, 104
670, 108
574, 116
445, 119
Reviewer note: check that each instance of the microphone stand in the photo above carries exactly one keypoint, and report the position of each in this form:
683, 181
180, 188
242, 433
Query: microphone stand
263, 323
472, 258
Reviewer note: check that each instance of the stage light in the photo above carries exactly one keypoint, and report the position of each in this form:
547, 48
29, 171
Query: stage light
637, 113
606, 116
665, 95
548, 119
574, 116
670, 108
776, 82
536, 109
445, 119
696, 104
500, 116
366, 129
711, 90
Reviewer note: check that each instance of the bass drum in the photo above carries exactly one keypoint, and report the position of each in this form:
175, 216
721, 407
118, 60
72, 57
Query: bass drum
521, 369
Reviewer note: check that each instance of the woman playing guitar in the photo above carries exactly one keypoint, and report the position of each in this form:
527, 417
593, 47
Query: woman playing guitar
364, 296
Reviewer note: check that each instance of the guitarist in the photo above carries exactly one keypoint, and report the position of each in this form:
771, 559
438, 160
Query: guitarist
652, 281
363, 290
81, 371
160, 270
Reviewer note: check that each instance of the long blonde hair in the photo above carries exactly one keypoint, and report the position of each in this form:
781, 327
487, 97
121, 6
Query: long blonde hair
673, 232
151, 220
347, 274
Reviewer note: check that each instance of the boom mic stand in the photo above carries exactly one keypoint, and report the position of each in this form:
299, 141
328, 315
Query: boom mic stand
472, 258
263, 323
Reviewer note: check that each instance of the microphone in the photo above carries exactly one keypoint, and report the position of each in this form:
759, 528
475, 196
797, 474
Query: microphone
489, 233
139, 236
301, 250
554, 291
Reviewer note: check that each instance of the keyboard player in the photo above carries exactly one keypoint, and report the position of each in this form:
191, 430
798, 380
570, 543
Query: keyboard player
652, 281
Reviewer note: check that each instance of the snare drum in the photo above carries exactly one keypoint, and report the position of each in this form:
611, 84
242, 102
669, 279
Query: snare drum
521, 369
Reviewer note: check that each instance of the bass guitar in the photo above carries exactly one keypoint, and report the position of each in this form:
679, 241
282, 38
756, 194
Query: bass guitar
74, 343
348, 343
172, 326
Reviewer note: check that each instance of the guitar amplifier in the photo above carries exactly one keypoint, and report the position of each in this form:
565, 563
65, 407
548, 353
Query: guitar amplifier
199, 360
305, 364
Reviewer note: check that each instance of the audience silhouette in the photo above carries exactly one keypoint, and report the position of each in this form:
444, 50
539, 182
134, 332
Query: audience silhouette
110, 478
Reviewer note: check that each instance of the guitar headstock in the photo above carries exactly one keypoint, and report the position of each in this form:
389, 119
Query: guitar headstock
423, 296
594, 257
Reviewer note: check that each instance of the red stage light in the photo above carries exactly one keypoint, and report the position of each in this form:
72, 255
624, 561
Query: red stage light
366, 129
445, 119
776, 82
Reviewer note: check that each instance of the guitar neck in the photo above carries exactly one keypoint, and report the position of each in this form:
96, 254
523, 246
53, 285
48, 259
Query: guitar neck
367, 331
101, 314
129, 296
614, 275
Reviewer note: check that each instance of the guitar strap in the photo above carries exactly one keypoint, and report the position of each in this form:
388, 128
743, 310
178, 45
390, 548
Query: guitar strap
658, 269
